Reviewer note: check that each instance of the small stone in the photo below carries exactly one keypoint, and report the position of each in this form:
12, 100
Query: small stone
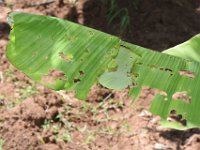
159, 146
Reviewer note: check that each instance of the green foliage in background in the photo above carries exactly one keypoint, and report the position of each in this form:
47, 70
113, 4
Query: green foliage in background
66, 56
114, 12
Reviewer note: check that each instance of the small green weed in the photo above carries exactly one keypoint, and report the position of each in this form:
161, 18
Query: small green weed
2, 141
56, 129
136, 3
57, 138
114, 12
67, 137
25, 93
46, 124
107, 130
90, 137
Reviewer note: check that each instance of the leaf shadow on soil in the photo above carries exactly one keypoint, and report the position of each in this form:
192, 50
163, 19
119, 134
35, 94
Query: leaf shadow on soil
154, 24
72, 15
177, 135
4, 30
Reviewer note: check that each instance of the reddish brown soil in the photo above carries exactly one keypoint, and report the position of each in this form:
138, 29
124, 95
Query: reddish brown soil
35, 118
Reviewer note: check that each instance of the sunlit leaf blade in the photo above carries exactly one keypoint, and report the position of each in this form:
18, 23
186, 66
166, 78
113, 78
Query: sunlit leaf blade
189, 50
77, 56
42, 44
162, 72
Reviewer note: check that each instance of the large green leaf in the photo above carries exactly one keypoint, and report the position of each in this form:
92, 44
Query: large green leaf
74, 57
41, 44
188, 50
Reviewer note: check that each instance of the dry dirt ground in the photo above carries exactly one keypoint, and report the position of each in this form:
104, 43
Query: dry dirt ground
35, 118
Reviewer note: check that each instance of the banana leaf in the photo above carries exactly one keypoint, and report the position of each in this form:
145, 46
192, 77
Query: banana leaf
67, 56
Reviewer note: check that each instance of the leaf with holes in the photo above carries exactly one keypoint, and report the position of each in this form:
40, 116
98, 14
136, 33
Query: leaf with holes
66, 56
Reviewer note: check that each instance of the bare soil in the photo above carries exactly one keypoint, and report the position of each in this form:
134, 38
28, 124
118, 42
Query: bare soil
35, 118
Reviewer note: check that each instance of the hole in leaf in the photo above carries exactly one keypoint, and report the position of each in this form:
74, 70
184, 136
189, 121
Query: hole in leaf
152, 66
160, 92
67, 57
173, 112
174, 117
135, 75
182, 96
76, 80
134, 84
81, 72
187, 73
139, 63
184, 122
179, 116
52, 76
161, 68
167, 69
